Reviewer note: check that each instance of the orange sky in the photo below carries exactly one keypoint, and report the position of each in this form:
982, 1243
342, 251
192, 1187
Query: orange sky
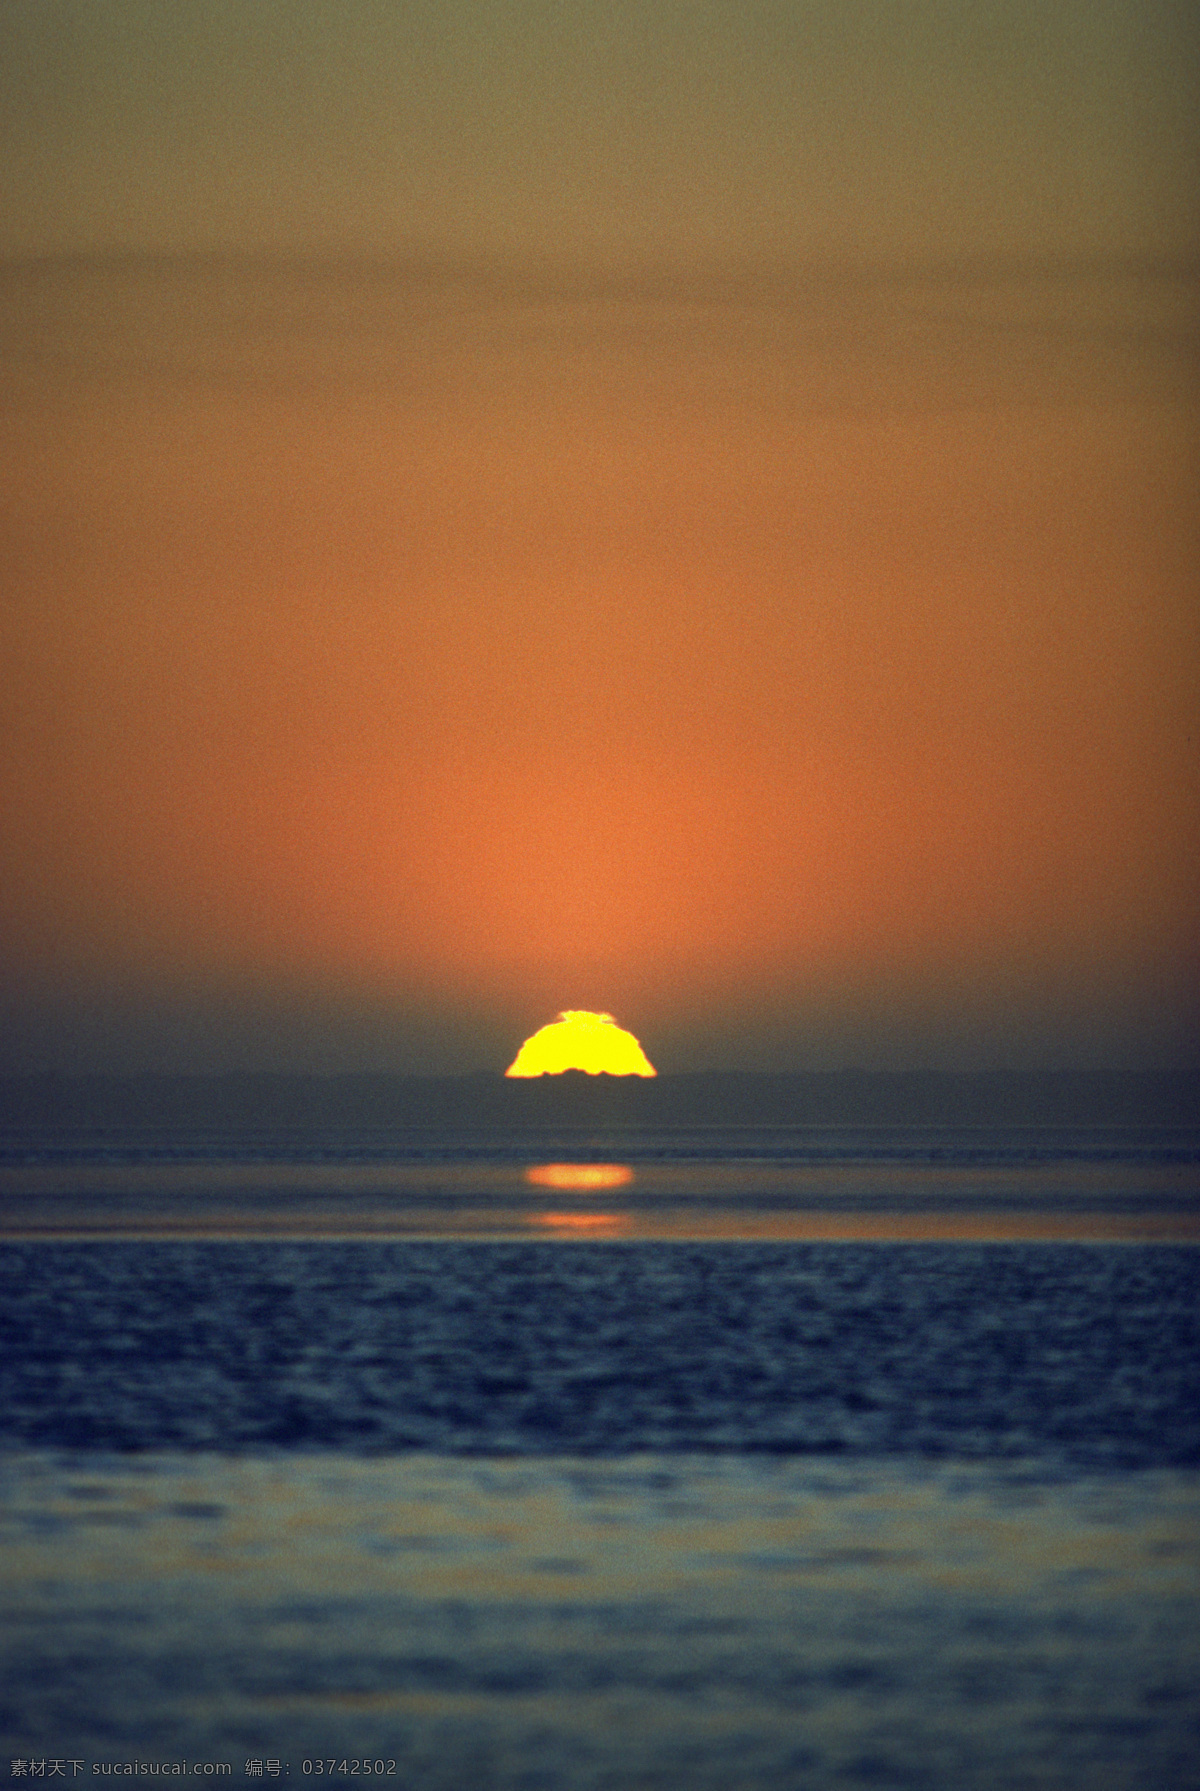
792, 653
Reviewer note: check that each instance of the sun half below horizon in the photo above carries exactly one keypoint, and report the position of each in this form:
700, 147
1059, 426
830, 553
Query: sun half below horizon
579, 1040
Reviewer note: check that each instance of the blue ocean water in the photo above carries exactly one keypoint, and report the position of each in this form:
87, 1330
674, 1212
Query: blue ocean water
1071, 1354
562, 1504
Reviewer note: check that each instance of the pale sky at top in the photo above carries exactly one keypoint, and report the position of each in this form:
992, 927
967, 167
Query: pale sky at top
798, 128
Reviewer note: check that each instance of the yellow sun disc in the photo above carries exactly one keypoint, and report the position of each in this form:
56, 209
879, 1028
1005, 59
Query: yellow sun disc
578, 1040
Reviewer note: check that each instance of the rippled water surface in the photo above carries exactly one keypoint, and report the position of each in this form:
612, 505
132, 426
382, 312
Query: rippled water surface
1077, 1354
574, 1506
652, 1621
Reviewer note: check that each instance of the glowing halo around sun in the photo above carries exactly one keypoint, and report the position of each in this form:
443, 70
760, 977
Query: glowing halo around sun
578, 1040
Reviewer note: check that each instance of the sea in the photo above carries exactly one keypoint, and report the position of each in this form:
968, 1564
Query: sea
710, 1460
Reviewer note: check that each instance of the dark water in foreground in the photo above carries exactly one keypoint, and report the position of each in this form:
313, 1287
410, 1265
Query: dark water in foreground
1079, 1355
611, 1513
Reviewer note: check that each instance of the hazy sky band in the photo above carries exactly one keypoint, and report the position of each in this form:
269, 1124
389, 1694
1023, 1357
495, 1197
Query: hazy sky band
638, 131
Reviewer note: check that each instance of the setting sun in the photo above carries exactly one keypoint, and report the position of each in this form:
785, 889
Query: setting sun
579, 1040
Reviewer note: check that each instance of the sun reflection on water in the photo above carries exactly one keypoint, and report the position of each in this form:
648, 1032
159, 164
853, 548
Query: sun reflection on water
586, 1224
579, 1175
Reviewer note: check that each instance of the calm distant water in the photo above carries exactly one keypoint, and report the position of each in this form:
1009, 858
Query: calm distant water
747, 1182
733, 1471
